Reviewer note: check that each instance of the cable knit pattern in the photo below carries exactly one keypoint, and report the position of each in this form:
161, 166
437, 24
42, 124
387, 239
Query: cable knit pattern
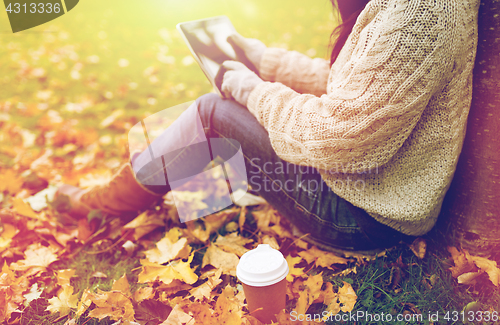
385, 123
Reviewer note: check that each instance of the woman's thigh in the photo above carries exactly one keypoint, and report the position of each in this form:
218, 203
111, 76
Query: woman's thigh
297, 192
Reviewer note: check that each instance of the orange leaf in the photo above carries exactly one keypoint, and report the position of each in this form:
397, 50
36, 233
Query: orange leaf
347, 297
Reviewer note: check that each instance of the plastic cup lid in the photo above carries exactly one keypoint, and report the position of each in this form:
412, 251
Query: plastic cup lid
262, 266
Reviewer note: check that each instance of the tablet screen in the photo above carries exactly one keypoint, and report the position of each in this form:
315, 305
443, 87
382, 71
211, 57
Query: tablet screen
208, 40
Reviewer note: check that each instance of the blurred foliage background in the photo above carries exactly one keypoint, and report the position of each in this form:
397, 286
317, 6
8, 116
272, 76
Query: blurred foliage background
97, 70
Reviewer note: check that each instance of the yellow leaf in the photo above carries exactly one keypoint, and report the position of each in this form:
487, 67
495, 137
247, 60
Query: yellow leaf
36, 255
227, 262
122, 285
166, 273
489, 267
233, 243
85, 302
9, 231
311, 291
322, 258
169, 248
145, 223
303, 302
293, 271
64, 301
313, 284
331, 301
265, 217
271, 241
23, 208
347, 297
202, 314
112, 304
205, 289
177, 316
10, 182
143, 294
11, 292
227, 308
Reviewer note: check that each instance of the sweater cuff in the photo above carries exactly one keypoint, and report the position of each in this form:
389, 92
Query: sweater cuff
270, 62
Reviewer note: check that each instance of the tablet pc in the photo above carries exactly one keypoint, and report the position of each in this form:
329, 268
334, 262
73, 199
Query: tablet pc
207, 40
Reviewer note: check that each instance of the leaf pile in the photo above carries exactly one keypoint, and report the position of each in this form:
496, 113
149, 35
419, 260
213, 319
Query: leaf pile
185, 272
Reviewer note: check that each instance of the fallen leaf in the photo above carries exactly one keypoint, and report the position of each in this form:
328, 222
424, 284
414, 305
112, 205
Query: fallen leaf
23, 208
169, 248
215, 256
64, 276
419, 247
122, 285
347, 297
166, 273
152, 312
205, 289
11, 292
322, 258
233, 243
10, 182
144, 224
112, 304
463, 264
293, 271
468, 278
227, 308
64, 301
489, 267
34, 294
36, 255
177, 316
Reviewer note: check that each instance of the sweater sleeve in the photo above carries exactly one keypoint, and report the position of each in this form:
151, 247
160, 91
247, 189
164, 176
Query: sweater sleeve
295, 70
378, 88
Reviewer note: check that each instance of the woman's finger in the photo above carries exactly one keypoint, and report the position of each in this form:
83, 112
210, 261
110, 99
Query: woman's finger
233, 65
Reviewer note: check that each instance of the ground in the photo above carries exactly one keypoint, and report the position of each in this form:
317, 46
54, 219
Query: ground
70, 91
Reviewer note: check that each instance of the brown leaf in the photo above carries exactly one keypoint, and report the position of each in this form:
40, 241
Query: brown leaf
419, 247
151, 312
489, 267
463, 264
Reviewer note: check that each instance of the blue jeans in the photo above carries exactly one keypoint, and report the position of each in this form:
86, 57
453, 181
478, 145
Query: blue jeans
297, 192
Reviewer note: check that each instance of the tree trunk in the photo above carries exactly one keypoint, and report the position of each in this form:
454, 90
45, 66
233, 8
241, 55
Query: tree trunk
472, 205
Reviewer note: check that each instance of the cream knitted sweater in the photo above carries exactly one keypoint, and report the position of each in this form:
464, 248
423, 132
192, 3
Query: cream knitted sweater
385, 123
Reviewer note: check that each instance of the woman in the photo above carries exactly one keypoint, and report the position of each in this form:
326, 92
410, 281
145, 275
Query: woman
381, 126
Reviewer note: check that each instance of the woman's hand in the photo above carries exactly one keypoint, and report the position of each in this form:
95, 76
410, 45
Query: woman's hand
248, 49
238, 81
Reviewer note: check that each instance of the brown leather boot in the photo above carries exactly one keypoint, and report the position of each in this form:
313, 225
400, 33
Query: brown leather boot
121, 195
